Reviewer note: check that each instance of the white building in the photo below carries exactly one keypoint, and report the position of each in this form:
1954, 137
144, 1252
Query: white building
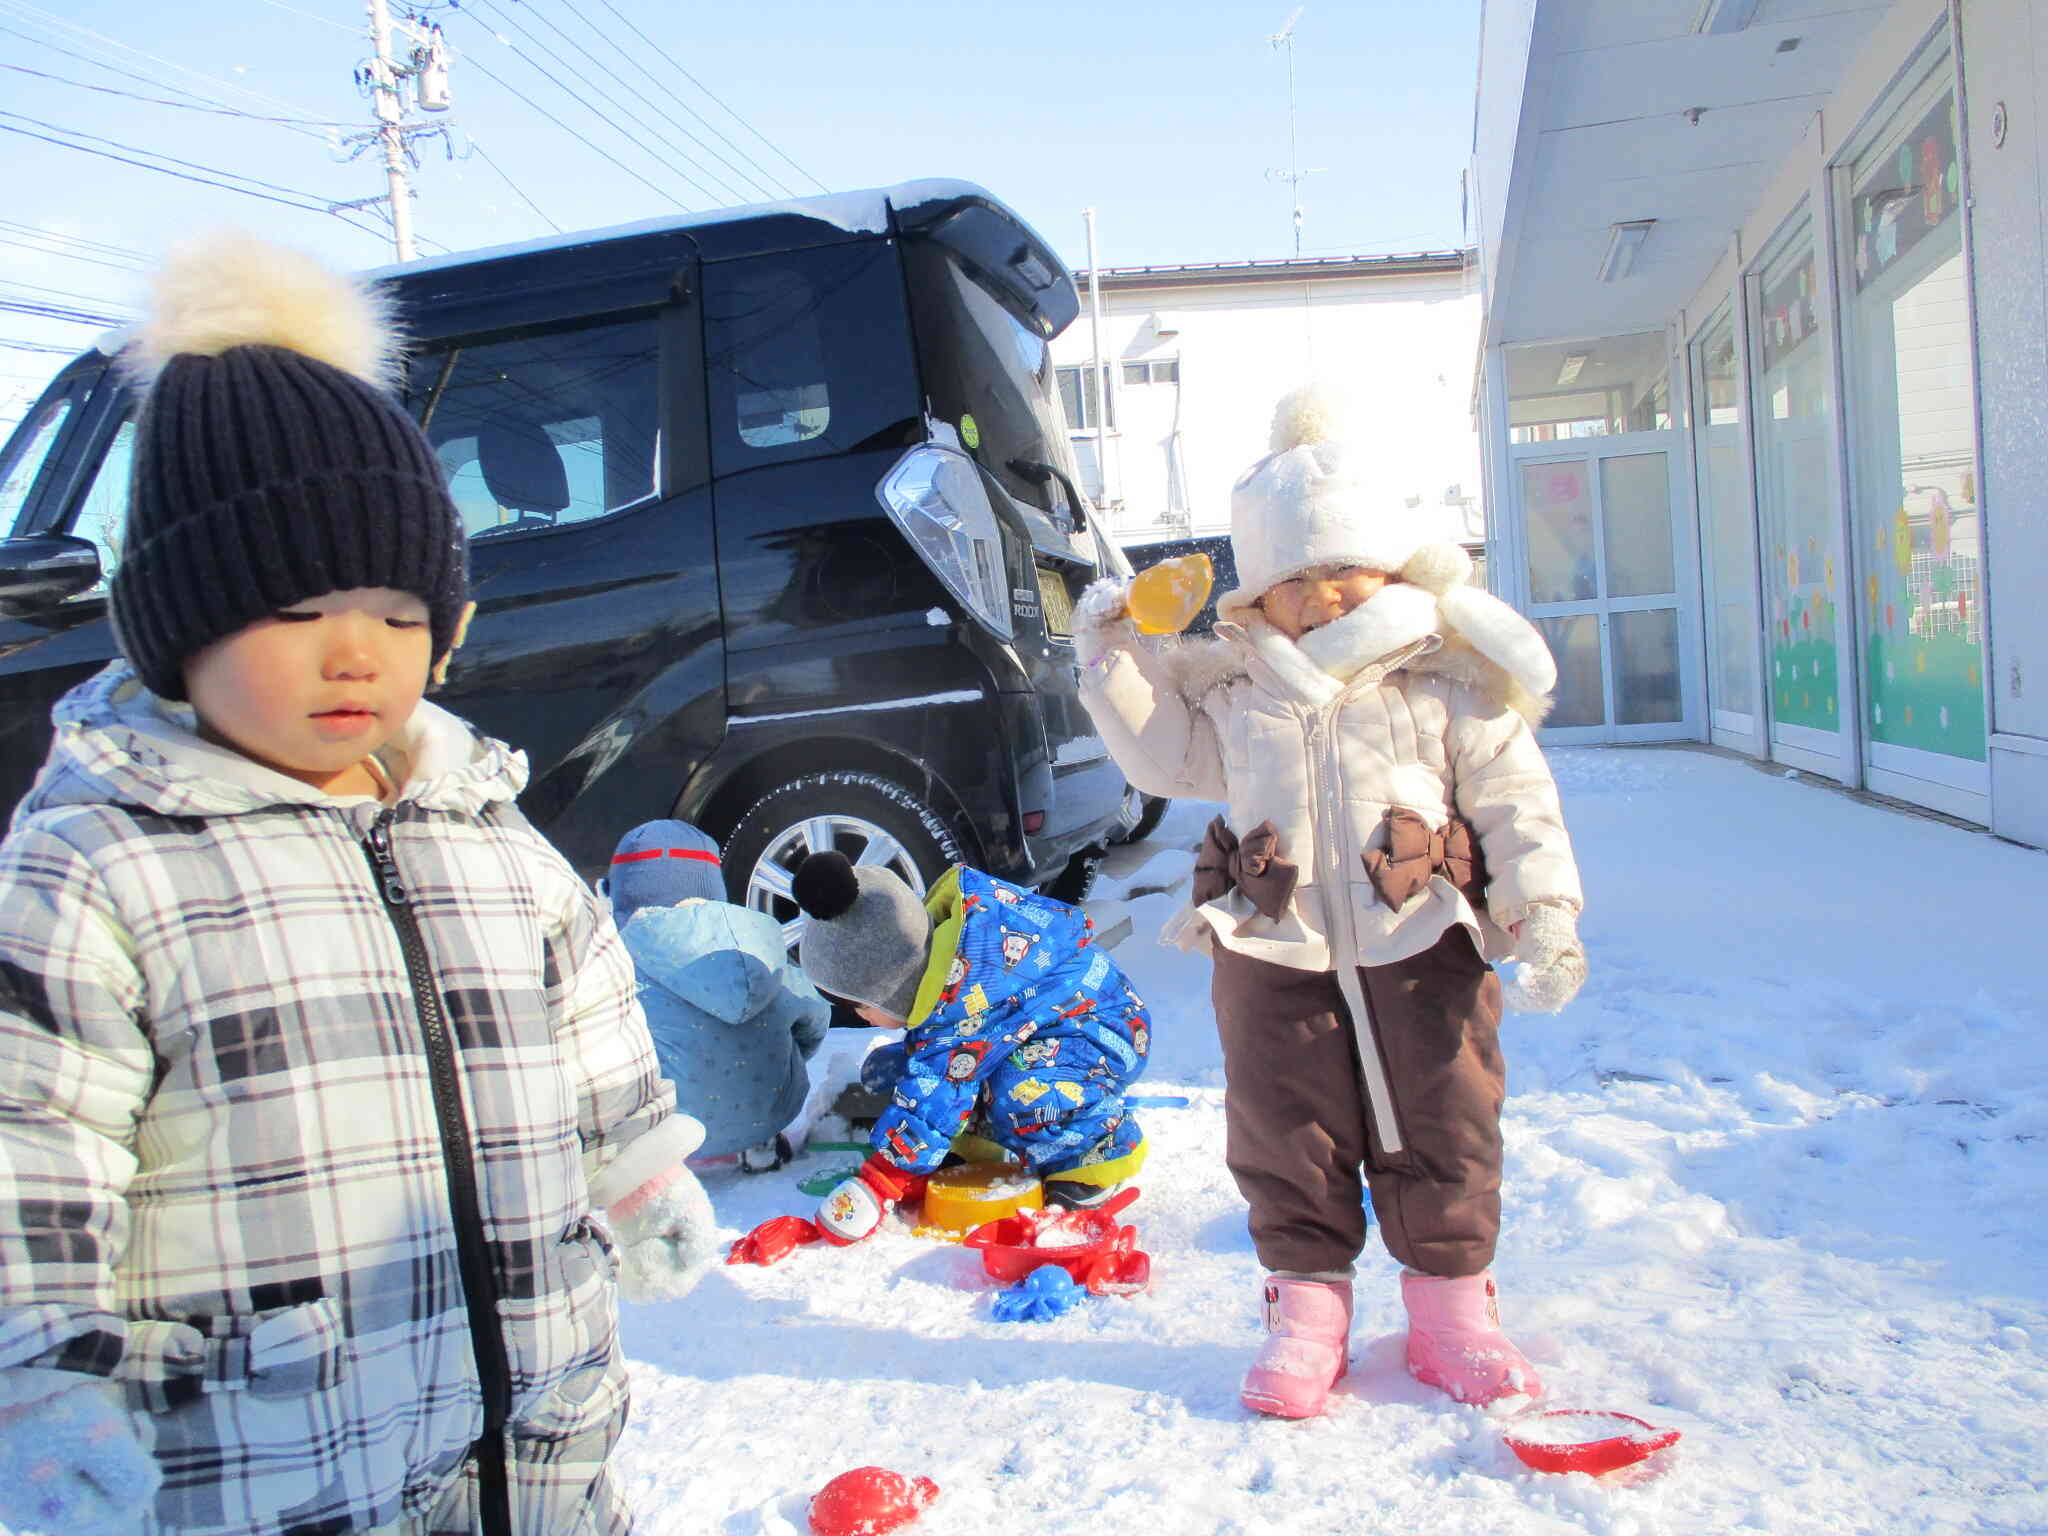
1765, 362
1195, 357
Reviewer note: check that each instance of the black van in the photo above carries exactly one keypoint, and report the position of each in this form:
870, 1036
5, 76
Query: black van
773, 526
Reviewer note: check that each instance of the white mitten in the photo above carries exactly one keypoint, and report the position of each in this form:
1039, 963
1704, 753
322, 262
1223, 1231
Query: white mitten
666, 1237
70, 1462
1553, 961
1102, 624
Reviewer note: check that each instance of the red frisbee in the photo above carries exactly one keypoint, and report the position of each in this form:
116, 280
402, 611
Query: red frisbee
1584, 1440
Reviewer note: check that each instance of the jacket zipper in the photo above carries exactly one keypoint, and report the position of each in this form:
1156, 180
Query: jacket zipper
1324, 772
479, 1288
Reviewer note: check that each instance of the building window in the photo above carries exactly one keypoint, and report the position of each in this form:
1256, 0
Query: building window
1078, 398
1793, 388
1727, 525
1911, 381
1560, 390
1160, 371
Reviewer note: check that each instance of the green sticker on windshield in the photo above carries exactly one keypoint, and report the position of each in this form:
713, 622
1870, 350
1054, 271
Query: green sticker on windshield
970, 434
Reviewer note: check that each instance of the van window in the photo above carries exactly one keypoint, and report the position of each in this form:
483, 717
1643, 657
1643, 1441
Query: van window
103, 509
37, 437
807, 353
544, 430
981, 363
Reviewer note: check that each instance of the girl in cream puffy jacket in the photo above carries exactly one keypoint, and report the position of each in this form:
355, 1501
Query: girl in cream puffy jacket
1391, 827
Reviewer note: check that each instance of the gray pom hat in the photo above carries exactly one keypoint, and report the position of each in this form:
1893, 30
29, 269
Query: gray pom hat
868, 933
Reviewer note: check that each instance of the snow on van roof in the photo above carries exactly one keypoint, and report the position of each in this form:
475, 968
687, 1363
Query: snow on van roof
862, 212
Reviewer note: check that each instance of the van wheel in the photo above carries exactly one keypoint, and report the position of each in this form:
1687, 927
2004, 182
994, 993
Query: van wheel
1137, 816
870, 819
1072, 884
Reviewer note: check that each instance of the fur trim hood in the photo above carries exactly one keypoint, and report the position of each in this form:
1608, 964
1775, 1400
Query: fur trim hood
118, 743
1463, 633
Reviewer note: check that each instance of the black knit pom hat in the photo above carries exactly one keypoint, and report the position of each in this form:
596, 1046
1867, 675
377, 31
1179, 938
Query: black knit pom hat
270, 465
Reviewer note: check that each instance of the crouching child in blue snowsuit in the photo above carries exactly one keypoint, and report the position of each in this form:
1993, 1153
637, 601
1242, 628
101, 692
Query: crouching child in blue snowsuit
1010, 1010
733, 1018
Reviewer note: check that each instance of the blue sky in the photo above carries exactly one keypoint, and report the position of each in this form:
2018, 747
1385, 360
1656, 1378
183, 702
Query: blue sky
1165, 119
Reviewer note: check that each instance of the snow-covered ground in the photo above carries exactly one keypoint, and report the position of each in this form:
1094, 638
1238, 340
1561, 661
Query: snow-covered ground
1776, 1180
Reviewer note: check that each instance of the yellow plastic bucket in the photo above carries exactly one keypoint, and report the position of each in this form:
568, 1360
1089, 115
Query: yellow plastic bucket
961, 1198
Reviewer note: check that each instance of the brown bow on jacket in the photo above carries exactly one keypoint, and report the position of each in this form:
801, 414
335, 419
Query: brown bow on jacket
1252, 866
1415, 852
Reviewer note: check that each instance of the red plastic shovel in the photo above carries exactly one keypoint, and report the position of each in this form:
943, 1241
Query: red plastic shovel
1584, 1440
771, 1240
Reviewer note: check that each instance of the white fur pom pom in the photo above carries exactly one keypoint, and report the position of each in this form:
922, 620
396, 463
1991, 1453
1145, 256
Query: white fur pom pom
1102, 600
1102, 624
230, 289
1306, 415
1438, 568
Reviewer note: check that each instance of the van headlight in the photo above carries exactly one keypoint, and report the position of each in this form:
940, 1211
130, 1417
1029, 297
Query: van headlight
936, 497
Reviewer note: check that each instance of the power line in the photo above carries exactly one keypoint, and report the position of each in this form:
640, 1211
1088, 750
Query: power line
479, 149
324, 21
163, 101
678, 68
767, 187
560, 84
105, 42
305, 207
126, 74
62, 293
36, 310
37, 346
159, 155
478, 64
134, 259
765, 178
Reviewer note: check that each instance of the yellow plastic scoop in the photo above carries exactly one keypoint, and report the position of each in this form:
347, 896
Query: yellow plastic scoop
1164, 597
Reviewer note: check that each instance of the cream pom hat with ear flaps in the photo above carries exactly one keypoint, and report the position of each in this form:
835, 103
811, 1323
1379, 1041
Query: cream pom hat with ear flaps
1301, 507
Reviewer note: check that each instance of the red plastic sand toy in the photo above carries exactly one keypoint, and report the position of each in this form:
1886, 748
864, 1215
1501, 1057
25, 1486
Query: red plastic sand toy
869, 1501
771, 1240
1089, 1245
1584, 1440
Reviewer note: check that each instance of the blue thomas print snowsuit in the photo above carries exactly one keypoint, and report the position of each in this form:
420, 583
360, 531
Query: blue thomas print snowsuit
1021, 1014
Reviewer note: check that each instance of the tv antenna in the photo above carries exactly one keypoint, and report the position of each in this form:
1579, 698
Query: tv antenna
1293, 175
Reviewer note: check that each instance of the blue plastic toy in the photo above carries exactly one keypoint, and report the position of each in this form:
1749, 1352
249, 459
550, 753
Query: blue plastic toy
1044, 1294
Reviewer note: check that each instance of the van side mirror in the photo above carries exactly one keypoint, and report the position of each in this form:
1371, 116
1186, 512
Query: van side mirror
39, 570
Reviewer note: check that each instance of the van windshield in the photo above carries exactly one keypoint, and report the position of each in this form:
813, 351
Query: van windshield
982, 365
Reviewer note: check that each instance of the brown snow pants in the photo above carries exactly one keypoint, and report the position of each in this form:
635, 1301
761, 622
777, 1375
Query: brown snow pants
1296, 1119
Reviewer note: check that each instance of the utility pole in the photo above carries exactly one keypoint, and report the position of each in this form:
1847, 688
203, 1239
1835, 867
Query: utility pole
390, 111
1101, 384
1293, 175
383, 79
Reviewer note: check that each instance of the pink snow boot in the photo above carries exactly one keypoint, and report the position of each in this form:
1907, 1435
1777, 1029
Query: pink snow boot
1308, 1325
1455, 1342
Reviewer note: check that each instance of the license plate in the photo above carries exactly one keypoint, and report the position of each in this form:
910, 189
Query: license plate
1059, 607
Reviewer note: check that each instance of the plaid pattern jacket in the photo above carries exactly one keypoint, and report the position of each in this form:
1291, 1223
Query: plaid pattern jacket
221, 1177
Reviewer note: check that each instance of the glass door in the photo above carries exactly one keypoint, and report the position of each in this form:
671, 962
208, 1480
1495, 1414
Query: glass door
1798, 510
1600, 539
1727, 537
1914, 506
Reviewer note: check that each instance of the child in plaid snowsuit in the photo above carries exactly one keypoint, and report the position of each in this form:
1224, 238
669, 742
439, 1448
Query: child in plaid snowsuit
327, 1116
